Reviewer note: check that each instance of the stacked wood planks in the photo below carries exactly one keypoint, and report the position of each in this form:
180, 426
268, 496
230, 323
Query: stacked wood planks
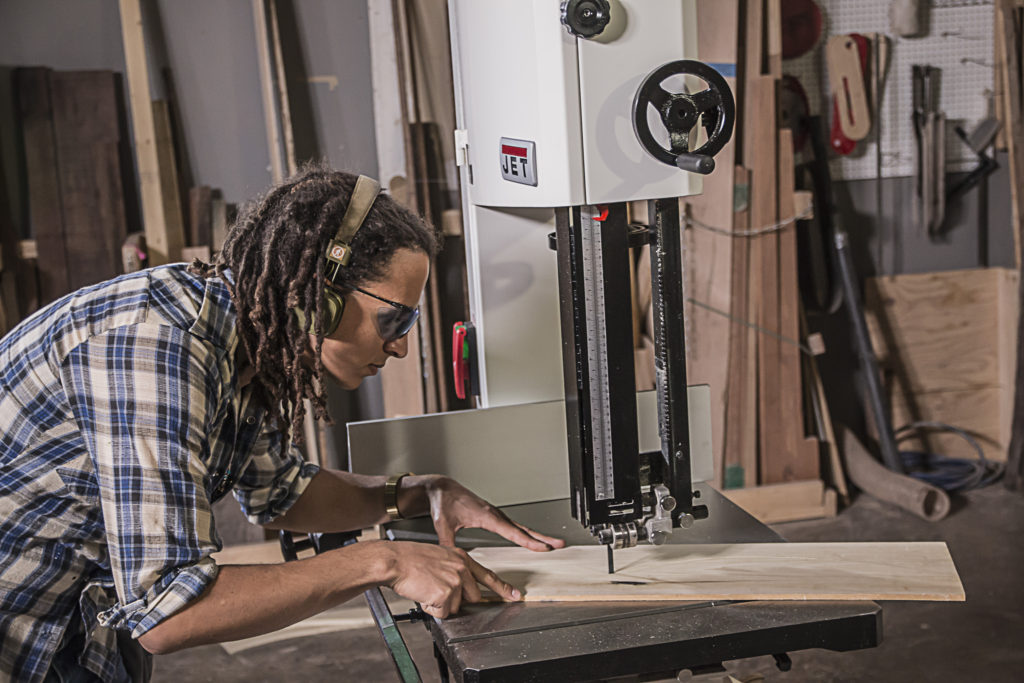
74, 152
743, 332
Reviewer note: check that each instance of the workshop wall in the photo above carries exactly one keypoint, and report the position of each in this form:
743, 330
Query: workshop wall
210, 50
879, 214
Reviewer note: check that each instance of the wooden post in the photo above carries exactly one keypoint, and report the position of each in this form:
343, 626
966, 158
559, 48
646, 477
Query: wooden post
1009, 22
402, 383
165, 234
273, 91
708, 254
799, 454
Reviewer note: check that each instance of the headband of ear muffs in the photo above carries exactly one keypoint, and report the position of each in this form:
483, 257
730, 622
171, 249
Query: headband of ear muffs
339, 253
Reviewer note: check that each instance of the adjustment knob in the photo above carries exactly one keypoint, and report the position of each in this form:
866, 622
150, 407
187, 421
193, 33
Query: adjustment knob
585, 18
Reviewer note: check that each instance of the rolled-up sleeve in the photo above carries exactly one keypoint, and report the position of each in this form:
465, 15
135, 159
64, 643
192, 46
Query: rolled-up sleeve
274, 479
144, 397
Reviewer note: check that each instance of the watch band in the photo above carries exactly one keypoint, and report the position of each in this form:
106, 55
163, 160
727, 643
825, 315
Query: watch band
391, 495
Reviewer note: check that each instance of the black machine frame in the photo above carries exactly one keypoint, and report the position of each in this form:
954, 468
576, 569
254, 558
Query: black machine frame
610, 493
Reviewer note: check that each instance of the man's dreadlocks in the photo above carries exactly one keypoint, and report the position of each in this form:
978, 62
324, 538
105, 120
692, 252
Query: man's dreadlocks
274, 253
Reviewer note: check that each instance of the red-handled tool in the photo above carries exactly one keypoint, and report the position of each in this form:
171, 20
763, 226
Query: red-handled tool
847, 57
460, 359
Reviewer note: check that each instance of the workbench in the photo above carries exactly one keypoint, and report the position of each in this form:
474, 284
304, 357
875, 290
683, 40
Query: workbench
601, 640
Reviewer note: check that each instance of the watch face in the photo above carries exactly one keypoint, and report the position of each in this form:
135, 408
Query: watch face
518, 161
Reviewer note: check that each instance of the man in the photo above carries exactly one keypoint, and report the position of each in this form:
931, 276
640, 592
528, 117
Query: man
127, 408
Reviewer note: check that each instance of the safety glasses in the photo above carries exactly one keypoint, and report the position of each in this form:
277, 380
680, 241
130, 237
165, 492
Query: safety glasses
394, 320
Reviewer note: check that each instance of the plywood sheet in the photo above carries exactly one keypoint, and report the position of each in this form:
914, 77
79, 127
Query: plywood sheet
941, 330
947, 340
976, 411
744, 571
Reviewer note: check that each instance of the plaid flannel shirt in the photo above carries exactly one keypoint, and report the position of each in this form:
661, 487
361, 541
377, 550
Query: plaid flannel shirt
121, 421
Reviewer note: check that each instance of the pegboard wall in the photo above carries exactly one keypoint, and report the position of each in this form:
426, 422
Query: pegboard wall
958, 41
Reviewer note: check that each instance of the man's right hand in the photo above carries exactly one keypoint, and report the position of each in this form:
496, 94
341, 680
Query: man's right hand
439, 578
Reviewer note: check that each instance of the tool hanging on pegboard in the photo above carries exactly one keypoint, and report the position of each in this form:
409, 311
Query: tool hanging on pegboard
930, 135
847, 59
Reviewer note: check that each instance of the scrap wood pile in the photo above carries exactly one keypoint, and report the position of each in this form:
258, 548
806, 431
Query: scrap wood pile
80, 221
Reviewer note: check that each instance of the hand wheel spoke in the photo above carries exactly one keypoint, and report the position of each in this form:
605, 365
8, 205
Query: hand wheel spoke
707, 99
660, 97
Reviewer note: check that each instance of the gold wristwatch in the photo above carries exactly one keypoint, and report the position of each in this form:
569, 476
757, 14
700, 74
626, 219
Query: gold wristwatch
391, 495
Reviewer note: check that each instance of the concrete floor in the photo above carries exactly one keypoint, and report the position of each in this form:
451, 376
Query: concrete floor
979, 640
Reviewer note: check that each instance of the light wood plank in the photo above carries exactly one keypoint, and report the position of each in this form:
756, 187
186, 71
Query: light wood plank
745, 571
269, 92
799, 453
164, 237
833, 473
787, 502
174, 215
765, 279
740, 447
709, 255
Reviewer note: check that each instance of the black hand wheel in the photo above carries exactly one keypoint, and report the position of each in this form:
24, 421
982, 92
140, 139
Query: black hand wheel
714, 107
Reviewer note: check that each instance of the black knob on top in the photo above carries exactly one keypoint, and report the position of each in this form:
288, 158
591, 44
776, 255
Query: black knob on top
585, 18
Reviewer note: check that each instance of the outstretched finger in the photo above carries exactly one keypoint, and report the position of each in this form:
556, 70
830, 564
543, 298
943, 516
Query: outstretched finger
506, 528
551, 541
485, 576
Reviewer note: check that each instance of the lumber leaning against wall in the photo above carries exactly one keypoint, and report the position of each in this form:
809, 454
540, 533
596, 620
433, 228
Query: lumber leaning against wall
946, 341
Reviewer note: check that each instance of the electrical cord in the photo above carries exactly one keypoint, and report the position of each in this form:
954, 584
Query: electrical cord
948, 474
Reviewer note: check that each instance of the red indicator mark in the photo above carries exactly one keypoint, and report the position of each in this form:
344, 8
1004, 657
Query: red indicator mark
513, 151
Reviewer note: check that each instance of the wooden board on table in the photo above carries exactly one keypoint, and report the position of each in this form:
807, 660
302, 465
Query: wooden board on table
741, 571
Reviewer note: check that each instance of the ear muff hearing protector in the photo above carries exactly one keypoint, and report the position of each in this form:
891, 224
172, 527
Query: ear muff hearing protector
339, 253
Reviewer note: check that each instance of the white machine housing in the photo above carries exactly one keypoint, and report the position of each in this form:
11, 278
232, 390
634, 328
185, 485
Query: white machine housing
520, 75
